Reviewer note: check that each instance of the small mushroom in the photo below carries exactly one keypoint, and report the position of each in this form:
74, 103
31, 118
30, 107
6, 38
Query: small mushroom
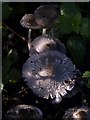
24, 112
49, 74
28, 21
45, 42
77, 113
46, 16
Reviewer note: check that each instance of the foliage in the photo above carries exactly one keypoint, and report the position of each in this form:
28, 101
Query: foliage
85, 27
10, 75
76, 48
86, 76
69, 8
72, 24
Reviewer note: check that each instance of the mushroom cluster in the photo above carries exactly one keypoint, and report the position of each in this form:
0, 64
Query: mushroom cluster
48, 71
43, 18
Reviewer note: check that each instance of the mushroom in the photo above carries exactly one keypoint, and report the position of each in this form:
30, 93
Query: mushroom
28, 21
46, 16
45, 42
77, 113
24, 112
49, 74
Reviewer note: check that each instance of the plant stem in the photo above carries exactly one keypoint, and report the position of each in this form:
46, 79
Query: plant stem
10, 29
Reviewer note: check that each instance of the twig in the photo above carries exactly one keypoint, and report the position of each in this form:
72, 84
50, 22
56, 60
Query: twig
10, 29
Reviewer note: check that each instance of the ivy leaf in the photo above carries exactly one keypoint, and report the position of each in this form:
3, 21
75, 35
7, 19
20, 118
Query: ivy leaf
11, 77
87, 80
77, 22
8, 61
64, 24
14, 75
85, 27
86, 74
67, 24
76, 48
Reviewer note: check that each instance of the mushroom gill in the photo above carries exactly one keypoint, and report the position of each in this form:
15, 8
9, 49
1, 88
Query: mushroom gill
49, 74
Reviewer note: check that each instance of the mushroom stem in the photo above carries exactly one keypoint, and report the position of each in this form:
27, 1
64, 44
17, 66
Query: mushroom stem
29, 39
43, 31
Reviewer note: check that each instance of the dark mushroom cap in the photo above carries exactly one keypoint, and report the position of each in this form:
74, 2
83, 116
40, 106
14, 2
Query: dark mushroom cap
24, 112
77, 113
28, 21
49, 74
46, 15
45, 42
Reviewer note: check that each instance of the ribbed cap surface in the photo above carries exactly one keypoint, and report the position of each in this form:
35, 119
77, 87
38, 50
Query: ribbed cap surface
49, 74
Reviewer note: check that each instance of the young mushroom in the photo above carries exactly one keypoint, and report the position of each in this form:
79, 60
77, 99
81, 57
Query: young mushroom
28, 21
45, 42
46, 16
24, 112
77, 113
50, 74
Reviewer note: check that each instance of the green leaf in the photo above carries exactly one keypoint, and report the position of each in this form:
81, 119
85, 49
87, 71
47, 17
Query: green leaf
87, 80
86, 74
69, 8
64, 24
11, 58
14, 75
85, 27
68, 24
9, 75
77, 22
76, 48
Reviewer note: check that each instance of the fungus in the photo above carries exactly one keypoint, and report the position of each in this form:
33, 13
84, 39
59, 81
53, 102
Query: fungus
49, 74
46, 16
24, 112
45, 42
77, 113
28, 21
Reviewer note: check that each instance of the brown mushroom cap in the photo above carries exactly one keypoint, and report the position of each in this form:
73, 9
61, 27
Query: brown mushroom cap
28, 21
46, 15
49, 74
77, 113
24, 112
45, 42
